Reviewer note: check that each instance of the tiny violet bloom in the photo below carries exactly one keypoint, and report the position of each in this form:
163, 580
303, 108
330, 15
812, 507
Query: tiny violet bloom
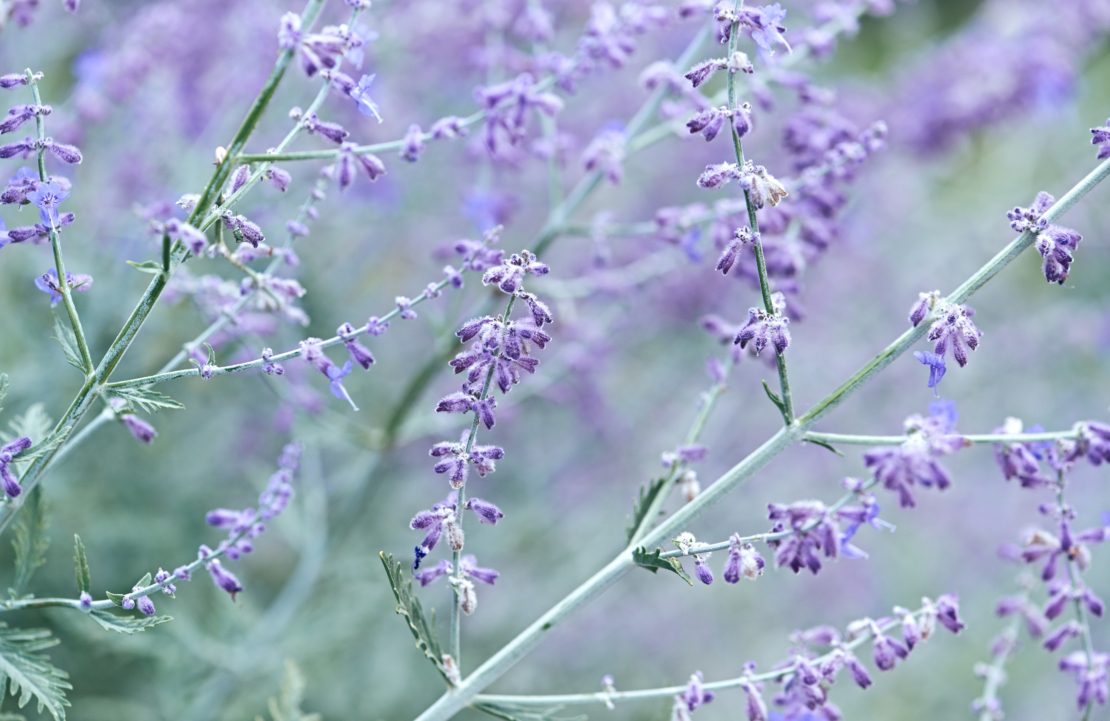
743, 560
161, 577
48, 283
139, 428
405, 306
47, 196
695, 695
359, 353
314, 354
269, 367
86, 601
8, 451
361, 96
936, 368
1101, 138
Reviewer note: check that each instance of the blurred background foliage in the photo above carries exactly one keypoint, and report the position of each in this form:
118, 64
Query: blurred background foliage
149, 89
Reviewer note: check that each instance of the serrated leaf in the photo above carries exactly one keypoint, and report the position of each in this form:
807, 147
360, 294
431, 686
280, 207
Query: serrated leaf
652, 562
68, 341
147, 266
409, 607
3, 389
127, 624
146, 399
639, 522
30, 541
116, 598
515, 712
81, 566
33, 424
30, 674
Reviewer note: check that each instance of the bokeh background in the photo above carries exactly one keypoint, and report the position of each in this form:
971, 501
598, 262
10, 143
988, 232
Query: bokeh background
987, 103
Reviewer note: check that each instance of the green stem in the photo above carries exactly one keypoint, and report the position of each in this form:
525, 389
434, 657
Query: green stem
56, 241
459, 697
652, 693
994, 674
757, 242
833, 438
456, 616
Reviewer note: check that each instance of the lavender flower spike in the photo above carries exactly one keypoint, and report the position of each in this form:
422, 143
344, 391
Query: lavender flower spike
48, 196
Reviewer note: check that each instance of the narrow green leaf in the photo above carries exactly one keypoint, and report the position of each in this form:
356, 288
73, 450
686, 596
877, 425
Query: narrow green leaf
68, 341
211, 354
639, 522
3, 389
146, 399
144, 581
81, 566
423, 628
773, 396
514, 712
652, 562
824, 445
30, 541
116, 598
127, 624
147, 266
29, 674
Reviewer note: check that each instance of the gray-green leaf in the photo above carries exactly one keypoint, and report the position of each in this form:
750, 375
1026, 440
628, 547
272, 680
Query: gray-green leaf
514, 712
409, 606
30, 541
146, 399
127, 624
147, 266
81, 566
68, 341
30, 674
639, 522
652, 562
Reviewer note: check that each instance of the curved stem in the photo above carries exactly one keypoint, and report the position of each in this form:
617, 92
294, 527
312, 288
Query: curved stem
833, 438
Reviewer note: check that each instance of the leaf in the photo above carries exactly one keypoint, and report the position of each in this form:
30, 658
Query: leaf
774, 398
825, 445
144, 581
147, 266
30, 541
28, 674
33, 424
116, 598
288, 707
12, 717
638, 521
68, 341
409, 607
3, 389
127, 624
652, 562
146, 399
81, 566
515, 712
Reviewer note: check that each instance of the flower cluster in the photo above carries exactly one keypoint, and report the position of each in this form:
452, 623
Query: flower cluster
915, 462
1055, 243
9, 451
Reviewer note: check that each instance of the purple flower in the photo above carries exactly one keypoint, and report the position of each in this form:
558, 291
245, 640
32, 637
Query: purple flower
695, 695
314, 354
442, 517
470, 567
223, 578
921, 309
405, 306
359, 353
765, 24
428, 575
13, 80
1101, 138
1091, 675
289, 31
161, 577
1056, 244
885, 650
954, 330
763, 328
811, 528
139, 428
270, 368
936, 368
899, 468
412, 145
1029, 219
86, 601
47, 196
48, 283
1019, 460
8, 451
743, 560
484, 510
